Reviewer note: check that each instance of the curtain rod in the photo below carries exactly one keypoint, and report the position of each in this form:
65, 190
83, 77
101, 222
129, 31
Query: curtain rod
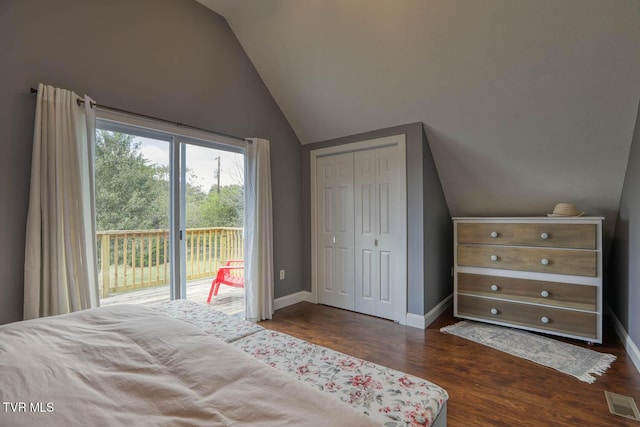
118, 110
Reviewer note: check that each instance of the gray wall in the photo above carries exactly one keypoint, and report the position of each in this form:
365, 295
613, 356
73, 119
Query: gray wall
623, 289
427, 218
438, 233
173, 59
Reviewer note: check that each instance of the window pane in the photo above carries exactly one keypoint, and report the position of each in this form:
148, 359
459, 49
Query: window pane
132, 219
214, 211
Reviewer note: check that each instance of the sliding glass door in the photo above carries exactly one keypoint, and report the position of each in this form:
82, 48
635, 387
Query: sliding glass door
132, 214
169, 213
212, 210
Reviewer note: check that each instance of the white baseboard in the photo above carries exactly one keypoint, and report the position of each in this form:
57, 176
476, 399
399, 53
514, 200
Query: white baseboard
291, 299
413, 320
418, 321
630, 347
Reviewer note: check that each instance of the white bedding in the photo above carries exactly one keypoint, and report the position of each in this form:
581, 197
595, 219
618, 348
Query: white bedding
130, 365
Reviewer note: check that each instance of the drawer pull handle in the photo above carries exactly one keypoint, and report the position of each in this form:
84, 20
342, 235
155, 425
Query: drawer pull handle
544, 294
544, 261
544, 236
544, 319
494, 257
494, 234
494, 311
494, 288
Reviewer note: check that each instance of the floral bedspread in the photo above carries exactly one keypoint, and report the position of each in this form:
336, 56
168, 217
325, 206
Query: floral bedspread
391, 397
221, 325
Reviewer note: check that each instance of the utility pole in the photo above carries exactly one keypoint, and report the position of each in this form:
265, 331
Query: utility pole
218, 174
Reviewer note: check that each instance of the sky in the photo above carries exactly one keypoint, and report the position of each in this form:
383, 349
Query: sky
201, 161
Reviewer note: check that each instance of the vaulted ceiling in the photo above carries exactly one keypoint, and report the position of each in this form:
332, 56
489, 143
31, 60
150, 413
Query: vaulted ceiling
525, 103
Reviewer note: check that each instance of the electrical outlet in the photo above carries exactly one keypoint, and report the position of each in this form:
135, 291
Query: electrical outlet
281, 274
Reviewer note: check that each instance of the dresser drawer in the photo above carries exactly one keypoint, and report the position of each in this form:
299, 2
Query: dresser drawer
576, 236
568, 295
534, 316
543, 260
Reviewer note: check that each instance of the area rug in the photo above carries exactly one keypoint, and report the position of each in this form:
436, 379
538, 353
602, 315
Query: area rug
567, 358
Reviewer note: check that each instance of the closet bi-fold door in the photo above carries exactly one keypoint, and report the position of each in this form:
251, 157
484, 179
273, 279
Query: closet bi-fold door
334, 192
377, 232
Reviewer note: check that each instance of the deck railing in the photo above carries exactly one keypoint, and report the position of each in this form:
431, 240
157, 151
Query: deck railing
137, 259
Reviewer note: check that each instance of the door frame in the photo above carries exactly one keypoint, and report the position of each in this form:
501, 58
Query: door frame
387, 141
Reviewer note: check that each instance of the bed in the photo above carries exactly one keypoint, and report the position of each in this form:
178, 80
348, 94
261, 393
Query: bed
183, 363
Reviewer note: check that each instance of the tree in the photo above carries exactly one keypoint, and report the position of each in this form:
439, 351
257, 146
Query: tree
132, 194
129, 191
223, 209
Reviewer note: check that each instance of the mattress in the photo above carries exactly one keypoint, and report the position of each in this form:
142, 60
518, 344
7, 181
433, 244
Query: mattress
128, 365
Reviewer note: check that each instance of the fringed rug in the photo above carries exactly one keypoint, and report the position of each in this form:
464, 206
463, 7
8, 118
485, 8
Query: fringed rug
567, 358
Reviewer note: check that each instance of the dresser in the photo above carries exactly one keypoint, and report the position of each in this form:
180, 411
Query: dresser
541, 274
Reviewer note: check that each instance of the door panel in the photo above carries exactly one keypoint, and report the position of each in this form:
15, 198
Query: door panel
367, 277
385, 280
132, 240
343, 273
327, 203
390, 232
367, 274
335, 213
343, 217
325, 231
383, 208
376, 194
327, 268
366, 209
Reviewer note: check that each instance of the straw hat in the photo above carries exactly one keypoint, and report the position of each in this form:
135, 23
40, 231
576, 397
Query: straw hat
565, 209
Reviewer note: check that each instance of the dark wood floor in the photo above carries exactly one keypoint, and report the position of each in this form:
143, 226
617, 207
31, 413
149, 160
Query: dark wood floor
486, 387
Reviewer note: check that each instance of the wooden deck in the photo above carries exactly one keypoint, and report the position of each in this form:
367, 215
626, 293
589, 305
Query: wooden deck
229, 300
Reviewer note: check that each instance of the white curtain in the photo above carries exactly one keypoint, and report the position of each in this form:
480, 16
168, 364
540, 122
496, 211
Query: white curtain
258, 232
60, 274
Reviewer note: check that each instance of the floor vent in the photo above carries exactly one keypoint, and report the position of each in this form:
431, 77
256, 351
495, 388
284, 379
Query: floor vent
621, 405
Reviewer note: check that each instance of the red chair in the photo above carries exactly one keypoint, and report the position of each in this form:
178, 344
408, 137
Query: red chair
225, 276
